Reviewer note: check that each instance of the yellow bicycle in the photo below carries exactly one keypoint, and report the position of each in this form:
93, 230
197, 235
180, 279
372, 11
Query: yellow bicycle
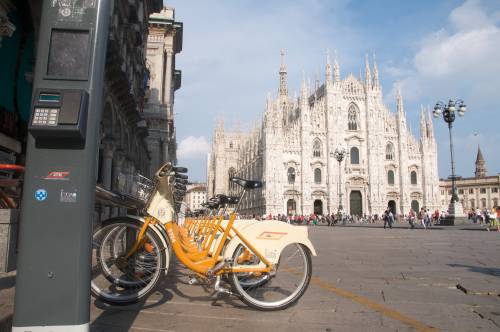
267, 263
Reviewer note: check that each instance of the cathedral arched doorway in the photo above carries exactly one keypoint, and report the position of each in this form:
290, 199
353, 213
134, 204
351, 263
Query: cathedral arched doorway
392, 206
415, 206
291, 207
318, 207
355, 203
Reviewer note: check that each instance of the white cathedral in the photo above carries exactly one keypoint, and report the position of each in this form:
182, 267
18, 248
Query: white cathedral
292, 152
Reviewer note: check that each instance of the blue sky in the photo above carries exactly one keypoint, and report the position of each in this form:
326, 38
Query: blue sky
434, 50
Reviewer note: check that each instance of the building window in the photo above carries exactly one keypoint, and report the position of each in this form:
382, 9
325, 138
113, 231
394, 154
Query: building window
354, 156
461, 191
494, 190
483, 190
472, 204
291, 175
352, 118
231, 145
442, 192
317, 176
317, 148
413, 177
471, 191
483, 202
495, 202
390, 177
389, 151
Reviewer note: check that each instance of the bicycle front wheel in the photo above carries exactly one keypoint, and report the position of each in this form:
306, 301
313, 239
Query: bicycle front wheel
279, 289
119, 277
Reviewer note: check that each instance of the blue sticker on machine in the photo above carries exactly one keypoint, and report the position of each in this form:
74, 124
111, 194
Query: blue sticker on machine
41, 194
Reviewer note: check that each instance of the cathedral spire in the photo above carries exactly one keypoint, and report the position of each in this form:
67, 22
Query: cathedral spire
480, 164
430, 125
399, 99
268, 101
283, 91
316, 83
303, 89
376, 82
423, 124
328, 69
303, 85
368, 75
336, 70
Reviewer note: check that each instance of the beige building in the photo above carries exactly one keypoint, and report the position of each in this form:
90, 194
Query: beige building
480, 191
196, 194
164, 42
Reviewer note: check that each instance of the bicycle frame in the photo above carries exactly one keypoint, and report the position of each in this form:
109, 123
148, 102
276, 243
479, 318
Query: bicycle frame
212, 256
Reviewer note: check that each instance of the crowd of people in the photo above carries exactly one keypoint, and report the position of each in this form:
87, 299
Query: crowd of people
425, 218
490, 218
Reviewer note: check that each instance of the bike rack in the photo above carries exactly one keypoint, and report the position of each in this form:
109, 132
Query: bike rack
9, 218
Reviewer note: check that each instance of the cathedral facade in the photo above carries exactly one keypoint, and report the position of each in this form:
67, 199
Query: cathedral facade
292, 152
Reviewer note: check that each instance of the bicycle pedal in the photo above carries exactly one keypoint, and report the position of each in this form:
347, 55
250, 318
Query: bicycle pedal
193, 280
220, 289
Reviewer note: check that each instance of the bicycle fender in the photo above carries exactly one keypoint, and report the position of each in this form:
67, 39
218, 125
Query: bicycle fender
269, 237
161, 232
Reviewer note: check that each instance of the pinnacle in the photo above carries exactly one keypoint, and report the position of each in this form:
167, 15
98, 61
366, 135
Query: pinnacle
479, 157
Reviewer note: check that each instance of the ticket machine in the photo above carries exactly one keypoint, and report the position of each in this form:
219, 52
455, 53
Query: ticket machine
54, 252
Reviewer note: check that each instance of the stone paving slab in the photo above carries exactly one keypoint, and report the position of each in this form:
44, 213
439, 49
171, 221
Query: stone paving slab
364, 279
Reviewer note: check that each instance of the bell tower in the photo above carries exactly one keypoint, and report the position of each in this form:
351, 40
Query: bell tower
480, 164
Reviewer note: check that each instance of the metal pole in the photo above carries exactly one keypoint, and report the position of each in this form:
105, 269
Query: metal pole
340, 185
454, 197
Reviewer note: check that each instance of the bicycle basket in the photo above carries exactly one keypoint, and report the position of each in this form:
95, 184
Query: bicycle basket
141, 187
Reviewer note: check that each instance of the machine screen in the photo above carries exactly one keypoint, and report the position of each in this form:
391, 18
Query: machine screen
68, 54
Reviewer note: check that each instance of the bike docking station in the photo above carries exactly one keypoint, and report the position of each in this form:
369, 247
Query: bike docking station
53, 272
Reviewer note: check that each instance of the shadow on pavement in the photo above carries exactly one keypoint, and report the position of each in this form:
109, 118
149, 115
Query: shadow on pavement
492, 271
122, 318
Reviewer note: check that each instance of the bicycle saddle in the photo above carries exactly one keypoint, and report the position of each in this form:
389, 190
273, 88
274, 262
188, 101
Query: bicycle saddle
180, 186
247, 184
227, 199
181, 181
180, 176
179, 169
213, 205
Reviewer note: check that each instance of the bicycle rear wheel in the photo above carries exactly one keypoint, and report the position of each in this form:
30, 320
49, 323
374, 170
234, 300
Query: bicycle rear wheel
117, 279
279, 289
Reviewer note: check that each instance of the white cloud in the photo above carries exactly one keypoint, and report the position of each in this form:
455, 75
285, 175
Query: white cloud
459, 60
193, 147
462, 58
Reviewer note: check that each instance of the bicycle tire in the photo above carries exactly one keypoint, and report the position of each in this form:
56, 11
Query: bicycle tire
253, 295
120, 281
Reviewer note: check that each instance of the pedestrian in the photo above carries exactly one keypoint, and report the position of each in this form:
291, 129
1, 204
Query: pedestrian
421, 217
428, 220
435, 216
479, 219
496, 221
387, 218
411, 218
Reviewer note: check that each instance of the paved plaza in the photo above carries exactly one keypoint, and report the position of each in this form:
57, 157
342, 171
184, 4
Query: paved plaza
365, 279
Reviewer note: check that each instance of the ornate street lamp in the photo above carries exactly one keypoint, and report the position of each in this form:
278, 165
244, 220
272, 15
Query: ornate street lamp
339, 154
448, 112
